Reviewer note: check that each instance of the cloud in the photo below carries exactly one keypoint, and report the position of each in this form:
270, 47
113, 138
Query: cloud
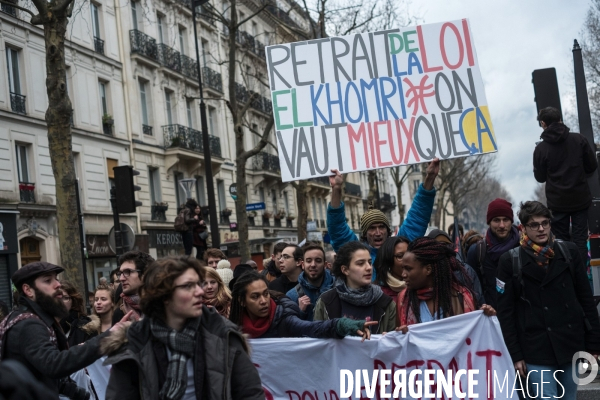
512, 39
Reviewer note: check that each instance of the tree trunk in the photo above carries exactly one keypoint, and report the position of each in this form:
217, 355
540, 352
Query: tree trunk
399, 203
302, 204
240, 203
372, 196
58, 117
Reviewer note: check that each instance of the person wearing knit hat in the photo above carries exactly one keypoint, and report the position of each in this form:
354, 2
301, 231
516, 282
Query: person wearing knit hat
224, 271
500, 237
374, 225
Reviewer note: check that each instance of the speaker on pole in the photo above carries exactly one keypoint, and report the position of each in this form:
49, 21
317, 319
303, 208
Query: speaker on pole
545, 87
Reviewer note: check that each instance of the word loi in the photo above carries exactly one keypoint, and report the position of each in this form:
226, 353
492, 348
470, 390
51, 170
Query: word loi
435, 383
394, 97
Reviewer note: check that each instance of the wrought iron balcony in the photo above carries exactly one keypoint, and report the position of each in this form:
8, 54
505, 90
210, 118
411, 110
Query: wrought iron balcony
266, 162
158, 212
7, 9
143, 44
322, 180
189, 67
204, 13
107, 129
279, 13
187, 138
169, 57
212, 79
388, 202
26, 190
353, 189
147, 130
98, 45
17, 103
259, 102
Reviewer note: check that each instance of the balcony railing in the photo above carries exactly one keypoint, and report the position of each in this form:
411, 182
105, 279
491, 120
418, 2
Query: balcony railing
158, 213
353, 189
279, 13
187, 138
17, 103
322, 180
259, 102
212, 79
98, 45
107, 129
147, 130
7, 9
266, 162
143, 44
189, 67
169, 57
26, 190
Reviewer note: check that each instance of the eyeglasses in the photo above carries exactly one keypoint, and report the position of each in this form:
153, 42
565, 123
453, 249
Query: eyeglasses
285, 257
536, 225
126, 272
399, 256
190, 286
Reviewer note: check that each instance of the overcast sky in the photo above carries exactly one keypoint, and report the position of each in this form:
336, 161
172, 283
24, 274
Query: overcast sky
513, 38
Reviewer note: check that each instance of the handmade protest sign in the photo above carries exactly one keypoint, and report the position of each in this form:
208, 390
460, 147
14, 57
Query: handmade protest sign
469, 345
379, 99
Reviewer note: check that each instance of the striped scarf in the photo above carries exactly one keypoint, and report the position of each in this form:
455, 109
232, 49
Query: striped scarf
541, 254
182, 345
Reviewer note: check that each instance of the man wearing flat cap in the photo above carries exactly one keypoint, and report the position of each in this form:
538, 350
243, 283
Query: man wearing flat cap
32, 335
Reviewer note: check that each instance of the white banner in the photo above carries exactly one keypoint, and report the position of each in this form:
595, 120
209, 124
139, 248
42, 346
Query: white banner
309, 369
378, 99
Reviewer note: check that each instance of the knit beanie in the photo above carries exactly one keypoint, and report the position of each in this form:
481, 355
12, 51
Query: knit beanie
372, 217
500, 208
225, 272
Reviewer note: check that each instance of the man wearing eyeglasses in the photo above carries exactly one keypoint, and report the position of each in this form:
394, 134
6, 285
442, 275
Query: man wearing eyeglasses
131, 269
290, 264
545, 306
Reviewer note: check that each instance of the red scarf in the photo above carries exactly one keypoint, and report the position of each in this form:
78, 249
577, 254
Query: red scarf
404, 309
260, 326
425, 294
131, 303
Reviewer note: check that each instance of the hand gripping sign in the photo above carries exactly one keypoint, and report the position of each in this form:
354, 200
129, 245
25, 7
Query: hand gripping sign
469, 348
379, 99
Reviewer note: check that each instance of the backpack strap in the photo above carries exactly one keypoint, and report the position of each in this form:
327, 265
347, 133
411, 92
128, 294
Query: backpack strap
481, 252
517, 265
333, 303
9, 322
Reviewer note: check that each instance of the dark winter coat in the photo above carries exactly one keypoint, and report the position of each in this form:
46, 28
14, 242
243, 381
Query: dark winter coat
287, 323
544, 321
311, 291
222, 368
282, 285
79, 329
29, 343
562, 160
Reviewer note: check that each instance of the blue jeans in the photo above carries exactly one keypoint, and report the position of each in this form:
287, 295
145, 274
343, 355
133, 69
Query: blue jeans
545, 382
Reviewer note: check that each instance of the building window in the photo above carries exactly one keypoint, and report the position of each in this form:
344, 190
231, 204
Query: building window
161, 32
200, 194
286, 203
134, 15
221, 194
103, 98
205, 52
314, 209
416, 184
146, 126
182, 42
189, 106
169, 108
154, 185
212, 121
274, 200
110, 164
22, 164
17, 100
98, 42
179, 192
261, 194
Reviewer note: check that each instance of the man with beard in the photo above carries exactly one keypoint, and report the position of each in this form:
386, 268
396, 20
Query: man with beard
32, 336
131, 269
312, 282
501, 237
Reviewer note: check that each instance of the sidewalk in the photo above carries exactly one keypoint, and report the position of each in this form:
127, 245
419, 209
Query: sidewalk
589, 392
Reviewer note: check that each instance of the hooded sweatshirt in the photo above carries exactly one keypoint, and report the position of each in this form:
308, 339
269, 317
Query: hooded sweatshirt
562, 160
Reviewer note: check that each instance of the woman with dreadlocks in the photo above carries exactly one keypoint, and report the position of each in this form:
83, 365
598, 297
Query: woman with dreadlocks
432, 290
264, 314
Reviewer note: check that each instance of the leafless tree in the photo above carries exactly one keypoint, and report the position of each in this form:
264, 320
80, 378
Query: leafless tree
399, 180
590, 45
53, 16
477, 201
539, 193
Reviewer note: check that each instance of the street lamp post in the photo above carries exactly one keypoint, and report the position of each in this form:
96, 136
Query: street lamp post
210, 186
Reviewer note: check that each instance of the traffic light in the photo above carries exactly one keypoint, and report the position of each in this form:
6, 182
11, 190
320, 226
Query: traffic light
125, 189
545, 87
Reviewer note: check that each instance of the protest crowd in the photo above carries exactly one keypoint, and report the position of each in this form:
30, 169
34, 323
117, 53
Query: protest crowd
178, 327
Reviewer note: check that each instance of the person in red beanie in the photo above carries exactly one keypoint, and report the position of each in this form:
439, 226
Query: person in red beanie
500, 237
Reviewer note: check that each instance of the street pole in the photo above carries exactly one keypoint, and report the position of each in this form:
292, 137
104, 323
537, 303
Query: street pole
210, 186
117, 225
83, 250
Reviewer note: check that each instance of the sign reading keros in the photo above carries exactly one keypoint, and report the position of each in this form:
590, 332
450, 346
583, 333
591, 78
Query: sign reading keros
394, 97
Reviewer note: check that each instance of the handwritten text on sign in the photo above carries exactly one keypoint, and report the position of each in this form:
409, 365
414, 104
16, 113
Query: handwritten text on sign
379, 99
309, 369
